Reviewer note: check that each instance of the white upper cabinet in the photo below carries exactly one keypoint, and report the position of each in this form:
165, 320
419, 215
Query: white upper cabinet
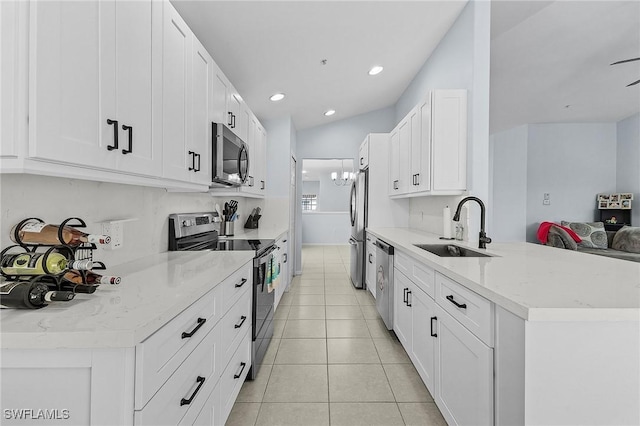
177, 46
9, 78
428, 155
256, 142
220, 113
200, 136
363, 155
90, 100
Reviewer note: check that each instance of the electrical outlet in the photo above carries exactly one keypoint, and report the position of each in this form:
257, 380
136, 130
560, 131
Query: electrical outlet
114, 230
546, 199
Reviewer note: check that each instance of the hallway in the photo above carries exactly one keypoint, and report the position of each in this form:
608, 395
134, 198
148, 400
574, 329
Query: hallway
332, 361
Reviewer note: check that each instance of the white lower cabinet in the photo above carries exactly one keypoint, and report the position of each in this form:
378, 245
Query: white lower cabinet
370, 268
450, 348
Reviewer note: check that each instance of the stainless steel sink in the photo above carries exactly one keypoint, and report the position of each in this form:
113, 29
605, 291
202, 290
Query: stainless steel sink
450, 250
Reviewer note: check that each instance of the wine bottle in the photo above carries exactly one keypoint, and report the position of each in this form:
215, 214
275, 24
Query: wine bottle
78, 288
75, 277
30, 295
34, 232
31, 264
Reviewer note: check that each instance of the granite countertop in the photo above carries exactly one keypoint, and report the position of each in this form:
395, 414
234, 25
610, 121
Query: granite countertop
535, 282
153, 291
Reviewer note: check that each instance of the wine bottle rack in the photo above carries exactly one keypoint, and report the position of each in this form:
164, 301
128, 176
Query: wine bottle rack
81, 252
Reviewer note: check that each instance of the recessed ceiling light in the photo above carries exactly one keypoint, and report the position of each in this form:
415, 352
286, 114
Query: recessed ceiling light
375, 70
277, 97
304, 171
330, 112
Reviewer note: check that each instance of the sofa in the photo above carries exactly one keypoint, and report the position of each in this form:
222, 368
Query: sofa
622, 244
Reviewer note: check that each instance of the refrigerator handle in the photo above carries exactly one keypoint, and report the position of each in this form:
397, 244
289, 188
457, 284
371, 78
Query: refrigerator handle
352, 241
352, 204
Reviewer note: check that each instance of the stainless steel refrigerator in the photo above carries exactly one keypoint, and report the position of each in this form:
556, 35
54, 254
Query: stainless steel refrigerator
358, 206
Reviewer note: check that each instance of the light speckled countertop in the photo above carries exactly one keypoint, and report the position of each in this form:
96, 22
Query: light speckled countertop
153, 291
535, 282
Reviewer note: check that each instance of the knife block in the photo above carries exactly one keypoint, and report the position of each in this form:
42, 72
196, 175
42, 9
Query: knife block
252, 222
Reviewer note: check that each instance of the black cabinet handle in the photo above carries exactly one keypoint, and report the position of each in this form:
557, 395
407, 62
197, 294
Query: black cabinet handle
408, 302
284, 241
197, 169
459, 305
130, 149
200, 381
404, 298
262, 183
370, 258
242, 365
418, 179
193, 160
241, 283
395, 184
242, 320
113, 123
432, 333
361, 161
230, 119
201, 322
233, 121
286, 257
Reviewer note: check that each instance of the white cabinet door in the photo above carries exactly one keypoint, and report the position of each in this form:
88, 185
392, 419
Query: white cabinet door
262, 159
199, 140
404, 164
133, 88
370, 269
176, 78
394, 163
423, 340
464, 374
449, 140
72, 87
363, 157
220, 97
415, 149
9, 79
421, 147
402, 287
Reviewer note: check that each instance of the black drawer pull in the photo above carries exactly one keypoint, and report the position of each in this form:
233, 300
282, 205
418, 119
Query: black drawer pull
113, 123
241, 283
395, 184
286, 257
370, 254
201, 322
130, 131
242, 365
230, 118
200, 381
361, 161
404, 298
432, 333
242, 320
459, 305
408, 294
193, 160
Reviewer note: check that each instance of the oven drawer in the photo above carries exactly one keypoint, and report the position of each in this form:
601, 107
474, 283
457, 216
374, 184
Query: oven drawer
234, 286
188, 388
162, 353
234, 325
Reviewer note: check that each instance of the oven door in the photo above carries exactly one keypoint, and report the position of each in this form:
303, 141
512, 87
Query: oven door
262, 311
230, 157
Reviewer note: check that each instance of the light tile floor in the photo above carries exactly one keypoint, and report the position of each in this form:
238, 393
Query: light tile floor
332, 361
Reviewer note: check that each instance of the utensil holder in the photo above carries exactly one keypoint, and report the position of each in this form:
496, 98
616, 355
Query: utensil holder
226, 228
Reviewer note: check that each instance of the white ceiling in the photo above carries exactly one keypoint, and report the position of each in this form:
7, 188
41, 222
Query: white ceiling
547, 55
266, 47
544, 55
312, 169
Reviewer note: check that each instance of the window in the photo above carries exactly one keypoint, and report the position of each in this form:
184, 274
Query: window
309, 202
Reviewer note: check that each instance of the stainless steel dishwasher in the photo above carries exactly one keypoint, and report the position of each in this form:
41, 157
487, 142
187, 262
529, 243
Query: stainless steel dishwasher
384, 282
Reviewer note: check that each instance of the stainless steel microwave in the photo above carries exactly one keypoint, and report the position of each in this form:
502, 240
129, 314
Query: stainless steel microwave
230, 157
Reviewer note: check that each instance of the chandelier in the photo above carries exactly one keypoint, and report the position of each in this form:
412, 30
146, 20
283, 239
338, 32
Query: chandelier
343, 178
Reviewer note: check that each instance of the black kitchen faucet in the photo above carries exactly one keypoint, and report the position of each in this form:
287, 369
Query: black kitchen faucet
483, 240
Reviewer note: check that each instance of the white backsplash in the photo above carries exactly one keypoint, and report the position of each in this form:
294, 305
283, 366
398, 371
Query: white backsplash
55, 199
425, 213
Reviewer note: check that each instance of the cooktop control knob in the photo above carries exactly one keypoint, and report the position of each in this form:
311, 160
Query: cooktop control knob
186, 223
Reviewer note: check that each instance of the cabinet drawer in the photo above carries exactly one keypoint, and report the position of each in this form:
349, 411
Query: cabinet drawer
470, 309
420, 274
234, 286
234, 325
187, 389
161, 354
234, 376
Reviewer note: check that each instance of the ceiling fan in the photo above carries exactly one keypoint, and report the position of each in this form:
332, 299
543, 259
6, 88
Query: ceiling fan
625, 61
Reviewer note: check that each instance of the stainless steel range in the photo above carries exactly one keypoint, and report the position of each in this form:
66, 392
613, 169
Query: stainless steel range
197, 231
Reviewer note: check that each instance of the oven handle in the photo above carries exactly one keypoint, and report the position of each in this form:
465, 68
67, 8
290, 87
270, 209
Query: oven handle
264, 257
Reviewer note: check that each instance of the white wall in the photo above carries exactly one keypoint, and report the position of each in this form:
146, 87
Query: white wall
509, 184
573, 163
339, 139
55, 199
628, 162
461, 61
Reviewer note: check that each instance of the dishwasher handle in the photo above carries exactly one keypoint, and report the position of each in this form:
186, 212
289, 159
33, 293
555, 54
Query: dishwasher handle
388, 249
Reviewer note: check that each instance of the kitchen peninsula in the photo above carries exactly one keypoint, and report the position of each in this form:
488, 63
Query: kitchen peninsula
559, 330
